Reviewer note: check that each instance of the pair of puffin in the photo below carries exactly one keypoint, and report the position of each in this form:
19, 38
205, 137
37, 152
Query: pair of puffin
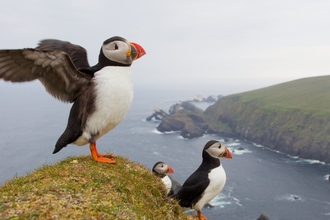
205, 183
101, 94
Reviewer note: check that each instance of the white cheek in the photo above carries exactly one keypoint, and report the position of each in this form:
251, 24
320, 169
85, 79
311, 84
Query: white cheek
118, 55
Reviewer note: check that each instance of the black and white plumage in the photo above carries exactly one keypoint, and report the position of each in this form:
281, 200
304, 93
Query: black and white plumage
207, 181
102, 94
161, 170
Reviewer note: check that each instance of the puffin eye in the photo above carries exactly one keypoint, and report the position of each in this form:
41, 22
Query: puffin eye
116, 47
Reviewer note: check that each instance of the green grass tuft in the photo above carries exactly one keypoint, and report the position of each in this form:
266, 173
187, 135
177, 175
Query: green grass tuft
80, 188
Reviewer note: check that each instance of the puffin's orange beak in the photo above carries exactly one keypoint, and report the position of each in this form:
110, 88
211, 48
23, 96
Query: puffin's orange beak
170, 169
227, 154
137, 51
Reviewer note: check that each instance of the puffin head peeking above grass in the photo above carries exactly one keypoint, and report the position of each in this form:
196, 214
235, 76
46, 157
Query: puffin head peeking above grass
207, 181
101, 94
161, 170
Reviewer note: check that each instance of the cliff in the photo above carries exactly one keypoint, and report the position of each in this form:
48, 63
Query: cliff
184, 117
292, 117
80, 188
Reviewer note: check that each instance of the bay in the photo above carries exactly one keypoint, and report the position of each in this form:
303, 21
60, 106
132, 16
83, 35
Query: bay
258, 180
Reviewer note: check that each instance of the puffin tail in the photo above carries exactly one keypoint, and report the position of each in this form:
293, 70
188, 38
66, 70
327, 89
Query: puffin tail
66, 138
59, 145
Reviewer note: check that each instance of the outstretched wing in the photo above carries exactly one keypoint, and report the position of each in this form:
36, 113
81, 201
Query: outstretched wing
77, 53
54, 69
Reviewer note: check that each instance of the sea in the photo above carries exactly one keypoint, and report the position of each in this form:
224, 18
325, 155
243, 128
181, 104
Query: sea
259, 180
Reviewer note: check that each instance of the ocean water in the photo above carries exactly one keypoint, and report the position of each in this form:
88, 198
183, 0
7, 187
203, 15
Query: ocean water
258, 180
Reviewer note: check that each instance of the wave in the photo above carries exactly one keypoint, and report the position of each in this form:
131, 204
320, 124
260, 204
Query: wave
156, 131
223, 200
327, 177
239, 151
257, 145
219, 201
232, 144
290, 198
310, 161
166, 132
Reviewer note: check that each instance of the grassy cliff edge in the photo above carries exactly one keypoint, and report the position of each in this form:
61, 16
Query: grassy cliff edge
79, 188
291, 117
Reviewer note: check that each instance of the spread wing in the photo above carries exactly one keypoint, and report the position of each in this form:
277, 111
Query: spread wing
77, 53
54, 69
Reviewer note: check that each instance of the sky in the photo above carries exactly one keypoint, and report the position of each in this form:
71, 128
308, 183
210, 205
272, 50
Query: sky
222, 47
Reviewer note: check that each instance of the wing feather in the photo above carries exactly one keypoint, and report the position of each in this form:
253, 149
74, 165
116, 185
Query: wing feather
77, 53
54, 69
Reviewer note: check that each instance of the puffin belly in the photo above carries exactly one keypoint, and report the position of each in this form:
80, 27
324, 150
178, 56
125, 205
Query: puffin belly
114, 96
217, 178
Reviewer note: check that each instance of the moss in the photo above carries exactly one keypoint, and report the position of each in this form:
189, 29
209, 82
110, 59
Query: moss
80, 188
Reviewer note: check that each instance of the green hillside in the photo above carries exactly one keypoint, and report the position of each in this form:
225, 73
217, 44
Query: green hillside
310, 95
292, 117
80, 188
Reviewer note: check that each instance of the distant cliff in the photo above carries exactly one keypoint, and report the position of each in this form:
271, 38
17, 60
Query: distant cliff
292, 117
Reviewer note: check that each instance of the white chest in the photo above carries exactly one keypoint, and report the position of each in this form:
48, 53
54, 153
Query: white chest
114, 95
168, 183
217, 181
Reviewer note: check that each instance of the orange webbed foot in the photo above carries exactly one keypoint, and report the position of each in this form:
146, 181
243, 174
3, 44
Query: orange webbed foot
201, 216
103, 158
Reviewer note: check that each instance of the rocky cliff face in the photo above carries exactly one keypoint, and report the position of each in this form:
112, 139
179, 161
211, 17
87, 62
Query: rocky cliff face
184, 117
294, 132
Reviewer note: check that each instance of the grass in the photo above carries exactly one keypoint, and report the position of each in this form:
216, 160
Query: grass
312, 95
79, 188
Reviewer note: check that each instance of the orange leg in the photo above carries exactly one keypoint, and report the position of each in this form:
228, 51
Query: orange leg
200, 216
100, 157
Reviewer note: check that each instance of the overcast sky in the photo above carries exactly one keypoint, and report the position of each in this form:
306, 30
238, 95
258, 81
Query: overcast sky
228, 46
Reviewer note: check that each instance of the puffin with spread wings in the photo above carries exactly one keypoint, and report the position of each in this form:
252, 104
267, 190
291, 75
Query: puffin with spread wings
101, 94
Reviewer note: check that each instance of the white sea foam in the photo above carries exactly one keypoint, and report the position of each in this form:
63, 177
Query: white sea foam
219, 201
232, 144
240, 152
223, 200
156, 131
310, 161
291, 198
257, 145
326, 177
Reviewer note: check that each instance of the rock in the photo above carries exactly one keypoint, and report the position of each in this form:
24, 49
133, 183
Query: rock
191, 107
184, 117
212, 98
263, 217
170, 124
174, 108
192, 131
198, 98
158, 114
240, 148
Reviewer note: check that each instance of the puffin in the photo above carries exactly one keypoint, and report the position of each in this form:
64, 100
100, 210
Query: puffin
207, 181
101, 94
161, 170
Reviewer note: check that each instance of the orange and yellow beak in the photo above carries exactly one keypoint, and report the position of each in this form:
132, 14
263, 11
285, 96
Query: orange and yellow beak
136, 51
227, 154
170, 169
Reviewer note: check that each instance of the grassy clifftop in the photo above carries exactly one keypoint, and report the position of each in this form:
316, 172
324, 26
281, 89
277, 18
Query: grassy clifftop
309, 95
79, 188
291, 117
